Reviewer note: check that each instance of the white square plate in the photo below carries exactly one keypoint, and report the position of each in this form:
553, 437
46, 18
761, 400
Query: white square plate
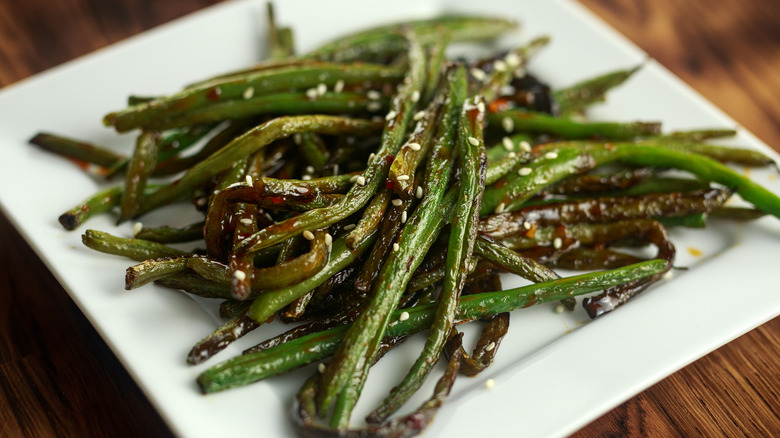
554, 372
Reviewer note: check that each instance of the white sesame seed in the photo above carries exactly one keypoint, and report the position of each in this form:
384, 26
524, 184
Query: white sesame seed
402, 177
308, 235
269, 217
524, 171
249, 92
246, 221
490, 383
507, 90
559, 308
396, 247
551, 155
249, 180
339, 86
478, 74
361, 181
499, 65
311, 93
415, 96
530, 98
322, 89
309, 169
374, 106
525, 146
371, 156
403, 217
391, 115
321, 368
419, 115
473, 141
297, 138
507, 142
500, 208
328, 240
668, 276
419, 192
354, 178
481, 106
519, 72
511, 155
557, 243
490, 346
306, 177
373, 94
201, 201
397, 202
512, 59
415, 146
404, 316
349, 227
239, 275
335, 170
527, 225
508, 124
137, 227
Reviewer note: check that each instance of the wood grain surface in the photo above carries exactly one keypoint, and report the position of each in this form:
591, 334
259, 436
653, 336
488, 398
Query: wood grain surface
58, 378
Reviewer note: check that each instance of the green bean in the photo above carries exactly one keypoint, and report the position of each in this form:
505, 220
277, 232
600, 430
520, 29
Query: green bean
573, 100
166, 234
153, 269
77, 150
243, 88
138, 171
372, 217
233, 329
513, 262
135, 249
504, 69
745, 157
101, 202
313, 149
526, 121
195, 285
250, 368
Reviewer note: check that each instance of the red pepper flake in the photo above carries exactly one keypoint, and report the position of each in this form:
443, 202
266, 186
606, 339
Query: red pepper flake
213, 93
276, 199
389, 184
389, 159
498, 105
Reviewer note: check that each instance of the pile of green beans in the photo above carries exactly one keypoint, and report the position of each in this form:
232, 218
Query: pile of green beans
372, 189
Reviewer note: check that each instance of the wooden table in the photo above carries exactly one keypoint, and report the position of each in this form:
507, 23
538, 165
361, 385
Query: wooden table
58, 378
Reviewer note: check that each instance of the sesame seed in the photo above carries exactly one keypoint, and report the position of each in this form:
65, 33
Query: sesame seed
478, 74
371, 156
246, 221
557, 243
397, 202
322, 89
328, 239
373, 94
507, 90
415, 146
668, 275
559, 308
512, 59
419, 192
349, 227
524, 171
309, 169
297, 138
402, 177
335, 170
249, 92
308, 235
269, 217
511, 155
473, 141
339, 86
391, 115
508, 124
374, 106
500, 208
525, 146
239, 275
321, 368
551, 155
490, 346
306, 177
396, 247
419, 115
481, 106
137, 227
527, 225
490, 383
403, 217
507, 142
311, 93
249, 180
361, 181
499, 65
415, 96
404, 316
519, 72
201, 201
530, 98
354, 178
